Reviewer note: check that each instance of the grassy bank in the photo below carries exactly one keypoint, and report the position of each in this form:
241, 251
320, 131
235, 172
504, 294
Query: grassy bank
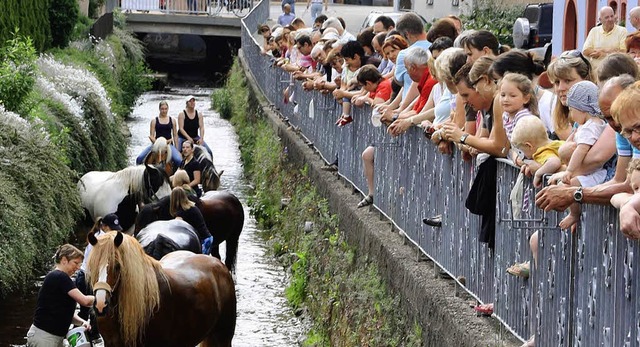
339, 288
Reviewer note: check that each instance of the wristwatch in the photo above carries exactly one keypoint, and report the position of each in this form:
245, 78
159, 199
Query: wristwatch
577, 195
463, 138
395, 117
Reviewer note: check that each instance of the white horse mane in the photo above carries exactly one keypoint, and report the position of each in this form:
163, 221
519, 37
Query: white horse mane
161, 146
133, 176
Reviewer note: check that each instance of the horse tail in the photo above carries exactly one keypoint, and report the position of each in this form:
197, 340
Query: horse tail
234, 238
161, 247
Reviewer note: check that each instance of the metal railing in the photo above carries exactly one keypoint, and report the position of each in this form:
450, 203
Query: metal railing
583, 292
196, 7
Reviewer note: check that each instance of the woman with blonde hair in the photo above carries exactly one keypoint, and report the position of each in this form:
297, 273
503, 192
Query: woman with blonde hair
180, 207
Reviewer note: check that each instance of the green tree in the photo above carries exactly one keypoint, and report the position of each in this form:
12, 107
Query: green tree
63, 15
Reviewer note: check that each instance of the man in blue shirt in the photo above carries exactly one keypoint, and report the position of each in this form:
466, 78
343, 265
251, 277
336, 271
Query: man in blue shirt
287, 17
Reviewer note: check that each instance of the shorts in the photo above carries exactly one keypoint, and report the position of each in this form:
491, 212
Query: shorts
37, 337
593, 179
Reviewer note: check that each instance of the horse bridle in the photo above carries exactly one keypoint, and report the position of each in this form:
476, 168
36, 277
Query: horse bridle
155, 194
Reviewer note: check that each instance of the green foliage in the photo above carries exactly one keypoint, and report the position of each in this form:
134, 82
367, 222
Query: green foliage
63, 15
495, 16
221, 102
17, 71
40, 203
82, 28
31, 17
297, 291
94, 7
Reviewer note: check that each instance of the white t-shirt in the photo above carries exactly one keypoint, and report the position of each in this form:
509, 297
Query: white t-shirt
545, 107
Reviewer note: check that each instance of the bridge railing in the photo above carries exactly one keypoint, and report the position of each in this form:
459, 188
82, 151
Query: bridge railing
584, 290
195, 7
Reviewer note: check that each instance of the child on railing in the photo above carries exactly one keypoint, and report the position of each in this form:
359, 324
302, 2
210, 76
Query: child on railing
582, 100
541, 157
518, 100
354, 58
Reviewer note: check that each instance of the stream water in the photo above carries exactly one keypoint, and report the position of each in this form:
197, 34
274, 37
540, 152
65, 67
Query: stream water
264, 317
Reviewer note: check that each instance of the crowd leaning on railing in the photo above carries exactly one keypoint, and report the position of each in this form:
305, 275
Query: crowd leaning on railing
572, 124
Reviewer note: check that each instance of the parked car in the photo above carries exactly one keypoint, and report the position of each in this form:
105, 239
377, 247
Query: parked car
371, 18
534, 28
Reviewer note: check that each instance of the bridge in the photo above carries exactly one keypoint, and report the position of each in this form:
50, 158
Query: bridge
191, 17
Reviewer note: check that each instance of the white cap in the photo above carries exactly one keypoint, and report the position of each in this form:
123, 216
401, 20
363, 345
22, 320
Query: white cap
189, 98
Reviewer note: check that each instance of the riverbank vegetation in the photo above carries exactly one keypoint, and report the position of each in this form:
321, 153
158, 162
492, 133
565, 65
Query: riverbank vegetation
63, 99
342, 292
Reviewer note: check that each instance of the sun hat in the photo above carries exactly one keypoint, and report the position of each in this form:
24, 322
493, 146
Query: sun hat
583, 96
112, 221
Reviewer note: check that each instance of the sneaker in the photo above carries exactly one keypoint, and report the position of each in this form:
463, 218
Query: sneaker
368, 200
435, 221
330, 167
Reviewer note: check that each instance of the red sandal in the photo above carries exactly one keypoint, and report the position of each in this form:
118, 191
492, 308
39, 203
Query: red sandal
344, 120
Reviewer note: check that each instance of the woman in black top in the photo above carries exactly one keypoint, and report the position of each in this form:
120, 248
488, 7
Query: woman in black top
191, 166
192, 125
162, 126
57, 301
183, 208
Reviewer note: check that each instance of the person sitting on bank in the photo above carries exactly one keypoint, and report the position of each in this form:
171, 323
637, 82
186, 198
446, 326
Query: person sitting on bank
191, 125
57, 300
166, 127
183, 208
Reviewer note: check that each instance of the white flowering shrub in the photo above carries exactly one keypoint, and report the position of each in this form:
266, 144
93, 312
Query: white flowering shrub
77, 83
33, 221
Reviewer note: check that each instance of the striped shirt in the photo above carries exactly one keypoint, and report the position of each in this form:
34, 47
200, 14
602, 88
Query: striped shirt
510, 123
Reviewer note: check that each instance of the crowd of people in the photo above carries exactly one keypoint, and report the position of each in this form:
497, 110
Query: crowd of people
572, 124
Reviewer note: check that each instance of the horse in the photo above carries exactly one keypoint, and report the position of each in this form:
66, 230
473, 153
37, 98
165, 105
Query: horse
223, 213
160, 154
163, 237
180, 301
104, 192
210, 176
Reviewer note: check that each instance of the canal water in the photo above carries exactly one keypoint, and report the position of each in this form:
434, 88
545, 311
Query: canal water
264, 317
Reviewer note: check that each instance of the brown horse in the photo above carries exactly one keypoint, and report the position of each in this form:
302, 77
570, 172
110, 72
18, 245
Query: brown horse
180, 301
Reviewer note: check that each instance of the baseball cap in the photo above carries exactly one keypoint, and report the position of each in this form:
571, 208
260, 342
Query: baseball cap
189, 98
111, 220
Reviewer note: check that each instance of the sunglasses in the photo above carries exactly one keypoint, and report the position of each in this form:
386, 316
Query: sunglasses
574, 53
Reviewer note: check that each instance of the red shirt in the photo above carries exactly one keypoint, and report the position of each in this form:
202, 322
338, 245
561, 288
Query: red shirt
383, 91
425, 86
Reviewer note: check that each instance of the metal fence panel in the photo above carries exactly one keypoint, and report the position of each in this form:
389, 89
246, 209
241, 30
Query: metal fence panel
582, 292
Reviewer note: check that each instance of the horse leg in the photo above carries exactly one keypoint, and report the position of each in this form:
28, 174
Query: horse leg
215, 250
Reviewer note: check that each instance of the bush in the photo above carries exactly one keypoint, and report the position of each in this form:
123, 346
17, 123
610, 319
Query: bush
31, 17
17, 71
63, 15
496, 17
221, 102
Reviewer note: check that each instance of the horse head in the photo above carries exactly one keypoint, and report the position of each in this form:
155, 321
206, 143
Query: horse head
119, 270
156, 183
160, 154
152, 212
210, 176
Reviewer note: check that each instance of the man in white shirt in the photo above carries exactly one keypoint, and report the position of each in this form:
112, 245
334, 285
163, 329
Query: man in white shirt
634, 17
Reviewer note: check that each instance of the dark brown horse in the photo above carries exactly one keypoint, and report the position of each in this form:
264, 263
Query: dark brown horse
180, 301
223, 213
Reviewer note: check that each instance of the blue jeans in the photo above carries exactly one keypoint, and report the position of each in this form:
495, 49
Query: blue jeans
192, 5
316, 10
204, 144
176, 157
